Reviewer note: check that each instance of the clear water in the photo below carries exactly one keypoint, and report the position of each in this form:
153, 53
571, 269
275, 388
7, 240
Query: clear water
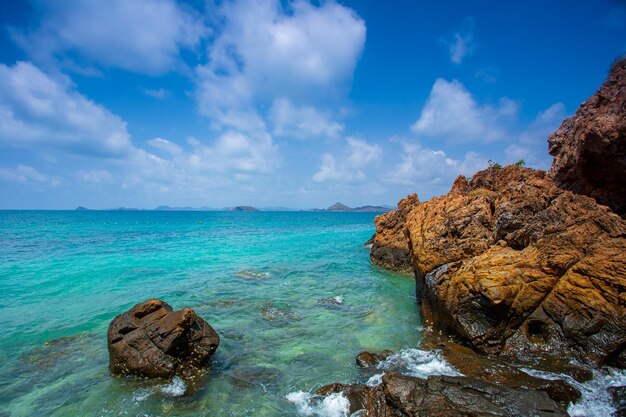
65, 275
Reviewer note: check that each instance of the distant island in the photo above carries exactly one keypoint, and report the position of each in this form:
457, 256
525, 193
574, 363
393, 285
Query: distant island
337, 207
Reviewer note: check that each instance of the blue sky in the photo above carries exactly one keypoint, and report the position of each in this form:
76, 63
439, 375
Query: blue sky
284, 103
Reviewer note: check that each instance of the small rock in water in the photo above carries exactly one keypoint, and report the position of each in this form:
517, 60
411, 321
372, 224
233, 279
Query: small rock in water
336, 301
253, 275
368, 359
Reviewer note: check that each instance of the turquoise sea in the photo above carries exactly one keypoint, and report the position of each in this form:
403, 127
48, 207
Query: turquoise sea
259, 278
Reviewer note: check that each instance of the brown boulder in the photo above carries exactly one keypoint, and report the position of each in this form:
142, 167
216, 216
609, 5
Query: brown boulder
367, 359
390, 247
589, 148
512, 264
153, 341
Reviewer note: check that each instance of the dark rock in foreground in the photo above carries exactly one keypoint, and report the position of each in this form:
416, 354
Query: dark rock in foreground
153, 341
589, 148
443, 396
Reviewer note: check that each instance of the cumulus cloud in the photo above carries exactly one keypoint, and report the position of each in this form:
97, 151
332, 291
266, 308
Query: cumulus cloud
461, 44
452, 114
24, 174
266, 51
351, 166
39, 111
424, 166
96, 176
302, 122
140, 35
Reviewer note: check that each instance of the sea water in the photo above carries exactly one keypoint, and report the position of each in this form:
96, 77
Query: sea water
292, 295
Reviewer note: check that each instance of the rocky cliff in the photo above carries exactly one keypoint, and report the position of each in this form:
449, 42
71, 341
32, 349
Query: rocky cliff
589, 148
512, 264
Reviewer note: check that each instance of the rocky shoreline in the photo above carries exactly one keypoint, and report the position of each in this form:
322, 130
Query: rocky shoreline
522, 268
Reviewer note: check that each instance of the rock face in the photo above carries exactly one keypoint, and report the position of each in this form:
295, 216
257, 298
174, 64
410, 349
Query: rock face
512, 264
153, 341
589, 148
390, 247
443, 396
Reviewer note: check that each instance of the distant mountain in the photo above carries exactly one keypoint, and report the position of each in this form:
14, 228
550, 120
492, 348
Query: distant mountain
245, 208
339, 207
81, 208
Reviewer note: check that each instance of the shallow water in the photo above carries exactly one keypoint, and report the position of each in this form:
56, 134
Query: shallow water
265, 281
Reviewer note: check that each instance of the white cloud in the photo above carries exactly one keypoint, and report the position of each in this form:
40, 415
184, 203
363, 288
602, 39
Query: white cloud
266, 51
235, 152
461, 44
24, 174
166, 146
96, 176
301, 122
358, 156
38, 111
452, 114
139, 35
423, 166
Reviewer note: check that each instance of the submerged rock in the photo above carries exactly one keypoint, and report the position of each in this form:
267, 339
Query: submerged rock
331, 301
272, 313
250, 275
153, 341
589, 148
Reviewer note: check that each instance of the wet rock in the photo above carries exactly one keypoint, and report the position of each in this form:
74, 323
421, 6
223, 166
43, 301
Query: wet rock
153, 341
589, 148
390, 248
500, 372
511, 264
443, 396
369, 400
368, 359
439, 396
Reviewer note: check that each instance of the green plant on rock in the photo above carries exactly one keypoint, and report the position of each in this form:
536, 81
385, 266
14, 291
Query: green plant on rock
494, 164
520, 163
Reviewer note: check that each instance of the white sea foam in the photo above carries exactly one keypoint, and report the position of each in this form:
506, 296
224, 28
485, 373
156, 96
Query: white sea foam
595, 400
176, 388
333, 405
414, 362
141, 395
339, 299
